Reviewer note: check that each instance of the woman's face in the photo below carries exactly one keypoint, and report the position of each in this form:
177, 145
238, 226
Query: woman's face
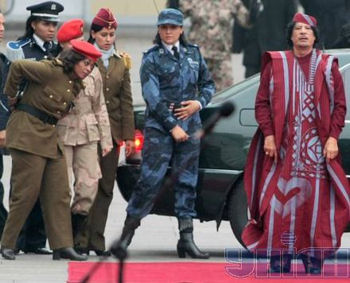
83, 68
44, 29
170, 34
104, 38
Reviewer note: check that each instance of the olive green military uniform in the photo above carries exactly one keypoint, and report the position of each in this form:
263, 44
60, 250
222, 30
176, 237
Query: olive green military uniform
118, 98
39, 168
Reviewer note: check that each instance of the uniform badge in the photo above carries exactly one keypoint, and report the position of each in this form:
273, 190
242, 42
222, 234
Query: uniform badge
161, 51
192, 63
53, 7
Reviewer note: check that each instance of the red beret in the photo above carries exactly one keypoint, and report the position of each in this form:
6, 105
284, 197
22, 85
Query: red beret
70, 30
306, 19
85, 48
105, 18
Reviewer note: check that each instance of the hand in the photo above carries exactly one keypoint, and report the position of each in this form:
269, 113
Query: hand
12, 101
179, 134
330, 150
129, 147
2, 138
188, 108
270, 147
106, 150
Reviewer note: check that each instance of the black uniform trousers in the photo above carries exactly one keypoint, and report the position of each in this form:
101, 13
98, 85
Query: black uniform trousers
3, 212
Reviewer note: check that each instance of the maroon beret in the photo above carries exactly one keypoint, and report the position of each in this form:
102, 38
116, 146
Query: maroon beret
70, 30
306, 19
105, 18
85, 48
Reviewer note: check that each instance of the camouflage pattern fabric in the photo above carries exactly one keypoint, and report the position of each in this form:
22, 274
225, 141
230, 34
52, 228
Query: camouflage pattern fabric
159, 147
211, 28
222, 72
82, 160
166, 79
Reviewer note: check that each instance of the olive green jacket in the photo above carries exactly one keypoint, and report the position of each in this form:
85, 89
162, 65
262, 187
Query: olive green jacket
50, 90
118, 98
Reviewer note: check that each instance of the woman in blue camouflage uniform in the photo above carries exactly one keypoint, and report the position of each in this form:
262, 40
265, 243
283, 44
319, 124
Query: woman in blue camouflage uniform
176, 85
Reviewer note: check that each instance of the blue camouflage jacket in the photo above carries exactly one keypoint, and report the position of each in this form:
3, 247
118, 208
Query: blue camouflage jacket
166, 80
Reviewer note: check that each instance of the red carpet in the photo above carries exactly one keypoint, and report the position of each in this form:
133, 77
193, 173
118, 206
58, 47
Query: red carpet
199, 272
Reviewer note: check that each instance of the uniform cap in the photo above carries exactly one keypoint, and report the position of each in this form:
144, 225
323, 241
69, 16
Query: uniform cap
47, 11
170, 17
85, 48
306, 19
105, 18
70, 30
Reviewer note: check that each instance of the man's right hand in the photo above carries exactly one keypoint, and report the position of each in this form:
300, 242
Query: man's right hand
2, 138
179, 134
270, 147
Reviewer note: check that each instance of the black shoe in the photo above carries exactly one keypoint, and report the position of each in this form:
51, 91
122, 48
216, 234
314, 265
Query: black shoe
38, 251
312, 265
119, 247
186, 245
102, 253
8, 254
68, 253
82, 251
277, 267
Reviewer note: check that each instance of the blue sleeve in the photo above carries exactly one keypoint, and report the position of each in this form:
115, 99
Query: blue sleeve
206, 84
4, 112
4, 108
150, 92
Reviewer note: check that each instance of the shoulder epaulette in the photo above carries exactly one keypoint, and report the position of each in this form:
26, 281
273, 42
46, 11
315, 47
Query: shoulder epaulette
127, 59
192, 45
14, 49
153, 48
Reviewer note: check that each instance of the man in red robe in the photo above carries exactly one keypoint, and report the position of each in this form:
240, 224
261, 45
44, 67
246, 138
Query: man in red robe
297, 191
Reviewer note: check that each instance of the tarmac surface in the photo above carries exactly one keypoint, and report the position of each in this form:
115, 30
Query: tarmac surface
156, 239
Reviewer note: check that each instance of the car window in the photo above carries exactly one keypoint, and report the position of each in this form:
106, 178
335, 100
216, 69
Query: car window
345, 71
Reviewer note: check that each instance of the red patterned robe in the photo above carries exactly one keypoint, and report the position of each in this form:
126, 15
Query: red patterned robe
300, 202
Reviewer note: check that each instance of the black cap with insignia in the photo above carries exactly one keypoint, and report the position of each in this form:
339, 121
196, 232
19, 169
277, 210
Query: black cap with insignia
47, 11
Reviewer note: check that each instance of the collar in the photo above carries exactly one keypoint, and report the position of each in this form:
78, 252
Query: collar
169, 47
39, 41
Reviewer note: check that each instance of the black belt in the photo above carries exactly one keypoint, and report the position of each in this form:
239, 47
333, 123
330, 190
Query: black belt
41, 115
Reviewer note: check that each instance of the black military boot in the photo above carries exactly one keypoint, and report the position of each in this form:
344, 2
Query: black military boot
186, 243
118, 249
8, 254
79, 222
68, 253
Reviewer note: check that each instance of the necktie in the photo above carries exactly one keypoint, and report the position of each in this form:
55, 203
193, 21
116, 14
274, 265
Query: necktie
176, 53
47, 46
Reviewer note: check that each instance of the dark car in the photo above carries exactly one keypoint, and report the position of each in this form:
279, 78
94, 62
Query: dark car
221, 194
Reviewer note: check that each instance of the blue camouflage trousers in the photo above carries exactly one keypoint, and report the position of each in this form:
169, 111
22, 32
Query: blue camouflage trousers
159, 150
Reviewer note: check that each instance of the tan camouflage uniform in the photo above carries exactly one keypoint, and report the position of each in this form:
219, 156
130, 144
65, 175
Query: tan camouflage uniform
80, 131
211, 29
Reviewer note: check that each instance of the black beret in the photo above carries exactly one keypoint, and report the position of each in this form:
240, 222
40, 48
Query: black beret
47, 11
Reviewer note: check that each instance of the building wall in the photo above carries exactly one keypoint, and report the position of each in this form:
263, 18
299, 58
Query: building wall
128, 12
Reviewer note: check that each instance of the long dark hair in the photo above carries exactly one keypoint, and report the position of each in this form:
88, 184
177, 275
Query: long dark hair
289, 32
29, 31
182, 39
69, 58
94, 28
